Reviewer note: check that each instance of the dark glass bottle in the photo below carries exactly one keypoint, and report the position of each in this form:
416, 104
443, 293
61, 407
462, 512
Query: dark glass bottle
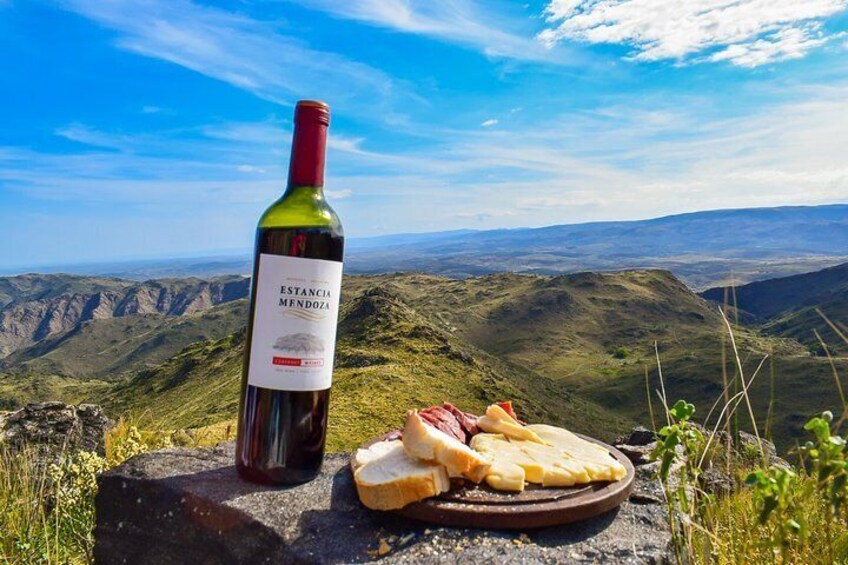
291, 332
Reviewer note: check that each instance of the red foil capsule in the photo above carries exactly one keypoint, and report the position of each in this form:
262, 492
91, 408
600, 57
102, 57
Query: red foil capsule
309, 143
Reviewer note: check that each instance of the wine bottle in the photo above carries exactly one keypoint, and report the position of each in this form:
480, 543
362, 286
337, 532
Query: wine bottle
294, 305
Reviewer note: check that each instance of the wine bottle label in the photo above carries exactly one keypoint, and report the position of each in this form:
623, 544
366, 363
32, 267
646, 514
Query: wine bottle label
296, 309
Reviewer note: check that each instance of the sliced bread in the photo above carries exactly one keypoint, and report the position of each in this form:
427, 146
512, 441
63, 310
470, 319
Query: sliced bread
425, 442
387, 478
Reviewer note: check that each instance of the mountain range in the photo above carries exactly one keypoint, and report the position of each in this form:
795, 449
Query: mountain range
703, 249
35, 308
803, 307
573, 349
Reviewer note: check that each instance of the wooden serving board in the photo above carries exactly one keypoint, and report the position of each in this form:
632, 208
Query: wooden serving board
468, 505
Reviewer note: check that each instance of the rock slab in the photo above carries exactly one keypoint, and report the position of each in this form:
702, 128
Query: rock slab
55, 427
183, 505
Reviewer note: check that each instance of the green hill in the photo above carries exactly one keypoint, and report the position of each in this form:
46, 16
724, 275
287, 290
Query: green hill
788, 306
595, 333
17, 389
571, 349
389, 358
579, 327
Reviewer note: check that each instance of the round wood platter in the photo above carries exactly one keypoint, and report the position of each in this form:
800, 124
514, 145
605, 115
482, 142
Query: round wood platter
468, 505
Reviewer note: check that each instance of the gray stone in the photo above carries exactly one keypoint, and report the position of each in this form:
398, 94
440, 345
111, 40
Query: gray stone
55, 427
637, 436
183, 505
638, 454
715, 480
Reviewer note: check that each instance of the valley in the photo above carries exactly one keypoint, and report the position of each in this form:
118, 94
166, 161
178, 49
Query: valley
571, 349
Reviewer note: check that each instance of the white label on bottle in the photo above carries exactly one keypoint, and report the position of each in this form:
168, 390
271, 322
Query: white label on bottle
296, 310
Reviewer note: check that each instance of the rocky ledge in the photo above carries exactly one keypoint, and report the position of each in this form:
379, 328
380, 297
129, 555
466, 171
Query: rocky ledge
189, 506
55, 428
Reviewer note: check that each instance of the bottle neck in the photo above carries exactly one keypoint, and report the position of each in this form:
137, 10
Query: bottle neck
309, 147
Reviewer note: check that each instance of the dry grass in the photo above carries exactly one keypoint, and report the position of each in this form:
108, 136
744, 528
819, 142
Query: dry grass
808, 522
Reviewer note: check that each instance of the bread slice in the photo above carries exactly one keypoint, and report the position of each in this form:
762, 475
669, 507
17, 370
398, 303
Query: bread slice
387, 478
425, 442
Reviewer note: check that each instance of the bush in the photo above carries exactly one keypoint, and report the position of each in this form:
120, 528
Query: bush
620, 352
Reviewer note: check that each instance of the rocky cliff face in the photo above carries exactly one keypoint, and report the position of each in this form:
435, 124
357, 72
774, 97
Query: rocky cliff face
34, 307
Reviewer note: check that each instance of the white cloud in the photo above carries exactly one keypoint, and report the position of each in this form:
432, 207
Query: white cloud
496, 29
339, 194
151, 110
747, 33
250, 169
87, 135
347, 144
249, 54
489, 123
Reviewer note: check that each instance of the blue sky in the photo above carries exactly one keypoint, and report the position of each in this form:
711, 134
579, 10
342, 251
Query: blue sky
156, 128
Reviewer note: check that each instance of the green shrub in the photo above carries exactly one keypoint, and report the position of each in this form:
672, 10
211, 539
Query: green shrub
620, 352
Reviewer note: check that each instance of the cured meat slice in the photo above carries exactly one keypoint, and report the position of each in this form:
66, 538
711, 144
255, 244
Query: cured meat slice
443, 421
468, 422
507, 407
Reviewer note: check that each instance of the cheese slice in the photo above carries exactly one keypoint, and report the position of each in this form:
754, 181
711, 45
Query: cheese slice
507, 476
497, 421
562, 460
596, 459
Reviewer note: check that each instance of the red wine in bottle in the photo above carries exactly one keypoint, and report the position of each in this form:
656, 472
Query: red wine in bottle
294, 306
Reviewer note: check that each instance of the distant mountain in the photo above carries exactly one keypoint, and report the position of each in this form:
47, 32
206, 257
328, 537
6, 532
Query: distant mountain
36, 307
146, 269
768, 298
789, 306
703, 248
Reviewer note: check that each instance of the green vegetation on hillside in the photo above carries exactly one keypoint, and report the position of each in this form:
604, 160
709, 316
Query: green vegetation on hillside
17, 389
389, 359
568, 329
571, 348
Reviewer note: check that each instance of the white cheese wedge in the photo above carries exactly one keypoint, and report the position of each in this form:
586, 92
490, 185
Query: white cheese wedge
387, 478
597, 461
497, 421
562, 460
506, 476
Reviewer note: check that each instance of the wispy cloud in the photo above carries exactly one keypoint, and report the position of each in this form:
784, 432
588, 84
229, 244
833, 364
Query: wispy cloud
465, 22
746, 33
489, 123
615, 162
154, 110
87, 135
247, 53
